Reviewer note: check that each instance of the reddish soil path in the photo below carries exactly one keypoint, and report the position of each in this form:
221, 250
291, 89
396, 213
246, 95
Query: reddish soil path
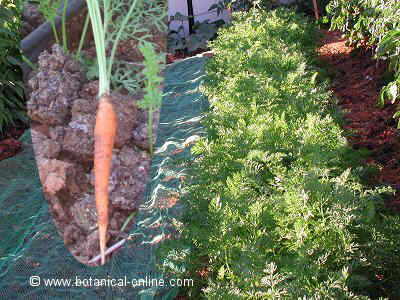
9, 144
357, 85
171, 58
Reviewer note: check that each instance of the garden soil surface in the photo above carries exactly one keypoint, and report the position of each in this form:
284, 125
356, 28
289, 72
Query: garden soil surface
180, 55
357, 83
9, 143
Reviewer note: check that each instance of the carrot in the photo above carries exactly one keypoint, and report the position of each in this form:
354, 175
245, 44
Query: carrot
104, 136
106, 119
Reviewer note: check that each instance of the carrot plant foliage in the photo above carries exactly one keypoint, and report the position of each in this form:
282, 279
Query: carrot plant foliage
153, 96
276, 205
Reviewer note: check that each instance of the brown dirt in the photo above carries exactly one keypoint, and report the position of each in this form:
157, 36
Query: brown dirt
179, 55
9, 144
9, 147
357, 85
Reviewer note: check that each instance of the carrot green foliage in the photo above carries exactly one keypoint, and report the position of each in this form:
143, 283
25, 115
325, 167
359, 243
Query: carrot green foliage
153, 95
276, 204
48, 8
134, 21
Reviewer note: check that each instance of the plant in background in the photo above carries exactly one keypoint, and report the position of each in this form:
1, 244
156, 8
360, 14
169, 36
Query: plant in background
64, 25
374, 23
83, 37
176, 38
11, 85
307, 6
109, 29
242, 5
389, 48
48, 8
203, 32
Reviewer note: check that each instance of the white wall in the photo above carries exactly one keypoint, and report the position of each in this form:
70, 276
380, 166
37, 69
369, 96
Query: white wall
200, 10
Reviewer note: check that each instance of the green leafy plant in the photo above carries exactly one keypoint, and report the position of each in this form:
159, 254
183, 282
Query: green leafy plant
246, 5
237, 5
11, 87
276, 205
373, 23
176, 38
49, 8
176, 41
203, 32
389, 48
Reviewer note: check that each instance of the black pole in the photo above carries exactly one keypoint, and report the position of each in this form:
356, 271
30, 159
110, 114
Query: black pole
43, 36
191, 16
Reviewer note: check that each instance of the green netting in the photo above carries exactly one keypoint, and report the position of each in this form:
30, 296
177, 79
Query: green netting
30, 244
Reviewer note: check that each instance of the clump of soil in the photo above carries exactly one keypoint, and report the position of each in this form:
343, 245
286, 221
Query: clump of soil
62, 107
357, 86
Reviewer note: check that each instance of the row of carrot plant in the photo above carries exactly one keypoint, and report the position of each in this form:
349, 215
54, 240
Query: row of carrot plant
277, 205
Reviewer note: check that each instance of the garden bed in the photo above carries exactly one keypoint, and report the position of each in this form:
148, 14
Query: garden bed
276, 186
357, 82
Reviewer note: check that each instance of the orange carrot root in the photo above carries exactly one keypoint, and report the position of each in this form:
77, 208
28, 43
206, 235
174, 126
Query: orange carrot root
104, 136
